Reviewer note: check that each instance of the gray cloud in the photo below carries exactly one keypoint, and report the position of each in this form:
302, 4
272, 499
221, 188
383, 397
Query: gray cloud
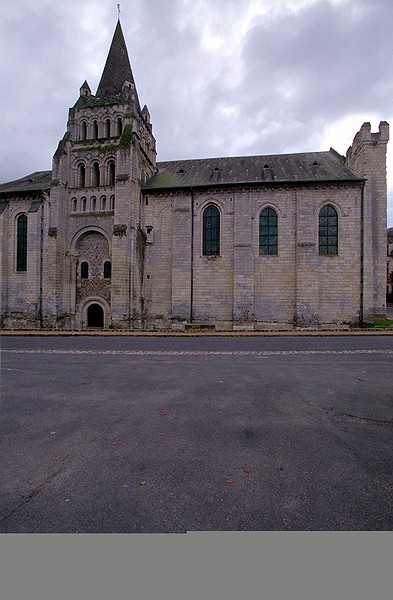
220, 77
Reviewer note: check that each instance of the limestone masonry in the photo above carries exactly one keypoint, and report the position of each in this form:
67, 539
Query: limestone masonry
110, 238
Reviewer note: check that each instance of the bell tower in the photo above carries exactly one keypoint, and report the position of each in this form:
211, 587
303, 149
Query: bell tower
99, 168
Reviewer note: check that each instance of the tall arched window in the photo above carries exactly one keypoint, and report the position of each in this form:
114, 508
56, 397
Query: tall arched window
112, 202
108, 128
95, 130
268, 231
328, 230
84, 130
95, 175
82, 176
103, 202
83, 204
107, 269
111, 173
74, 204
93, 203
211, 231
21, 243
119, 126
84, 270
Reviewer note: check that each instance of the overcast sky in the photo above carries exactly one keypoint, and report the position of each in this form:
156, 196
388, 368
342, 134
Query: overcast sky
220, 77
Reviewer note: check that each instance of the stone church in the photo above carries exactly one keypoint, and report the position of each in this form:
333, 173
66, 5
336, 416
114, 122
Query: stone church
110, 238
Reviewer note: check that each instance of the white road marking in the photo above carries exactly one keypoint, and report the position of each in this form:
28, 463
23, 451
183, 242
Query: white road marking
262, 353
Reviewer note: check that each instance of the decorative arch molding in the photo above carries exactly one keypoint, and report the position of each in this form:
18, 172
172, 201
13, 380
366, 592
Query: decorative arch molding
17, 210
88, 302
80, 174
217, 203
339, 208
267, 204
107, 160
85, 230
211, 217
21, 242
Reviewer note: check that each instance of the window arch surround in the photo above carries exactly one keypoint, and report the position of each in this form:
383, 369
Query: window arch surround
211, 230
95, 174
97, 319
21, 243
111, 172
81, 175
268, 231
85, 230
328, 230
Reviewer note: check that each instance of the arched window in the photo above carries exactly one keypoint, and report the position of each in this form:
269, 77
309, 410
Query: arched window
83, 204
328, 230
111, 173
84, 270
82, 176
112, 202
107, 269
93, 203
95, 130
96, 175
268, 231
119, 126
103, 202
84, 130
74, 204
108, 128
211, 231
21, 243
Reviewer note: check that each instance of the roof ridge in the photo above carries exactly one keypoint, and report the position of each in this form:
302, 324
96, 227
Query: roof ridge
246, 156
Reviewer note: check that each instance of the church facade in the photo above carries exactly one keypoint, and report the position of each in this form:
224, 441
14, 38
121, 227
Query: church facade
110, 238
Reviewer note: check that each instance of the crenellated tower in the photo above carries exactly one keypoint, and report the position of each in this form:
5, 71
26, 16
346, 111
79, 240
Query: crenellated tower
106, 155
367, 158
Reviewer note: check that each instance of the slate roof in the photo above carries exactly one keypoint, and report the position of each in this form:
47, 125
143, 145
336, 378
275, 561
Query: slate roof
270, 169
117, 68
35, 182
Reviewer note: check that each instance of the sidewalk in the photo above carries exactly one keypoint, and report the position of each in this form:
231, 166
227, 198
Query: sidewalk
171, 333
167, 333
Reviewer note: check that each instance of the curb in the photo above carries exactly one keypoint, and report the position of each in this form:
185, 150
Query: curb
126, 333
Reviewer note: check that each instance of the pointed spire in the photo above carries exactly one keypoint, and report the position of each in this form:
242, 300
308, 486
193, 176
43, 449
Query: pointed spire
85, 90
117, 69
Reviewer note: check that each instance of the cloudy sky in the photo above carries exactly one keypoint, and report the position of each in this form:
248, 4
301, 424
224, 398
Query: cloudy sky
220, 77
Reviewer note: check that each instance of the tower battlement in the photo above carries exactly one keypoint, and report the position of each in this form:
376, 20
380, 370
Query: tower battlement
366, 136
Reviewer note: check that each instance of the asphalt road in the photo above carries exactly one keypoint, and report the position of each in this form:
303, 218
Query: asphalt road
145, 434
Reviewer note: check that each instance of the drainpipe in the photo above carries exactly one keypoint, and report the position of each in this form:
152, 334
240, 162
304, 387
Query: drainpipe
361, 308
41, 262
192, 258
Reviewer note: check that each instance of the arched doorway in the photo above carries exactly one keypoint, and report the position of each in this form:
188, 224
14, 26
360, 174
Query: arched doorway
95, 316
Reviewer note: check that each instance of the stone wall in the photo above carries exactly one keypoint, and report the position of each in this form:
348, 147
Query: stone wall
367, 158
241, 288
